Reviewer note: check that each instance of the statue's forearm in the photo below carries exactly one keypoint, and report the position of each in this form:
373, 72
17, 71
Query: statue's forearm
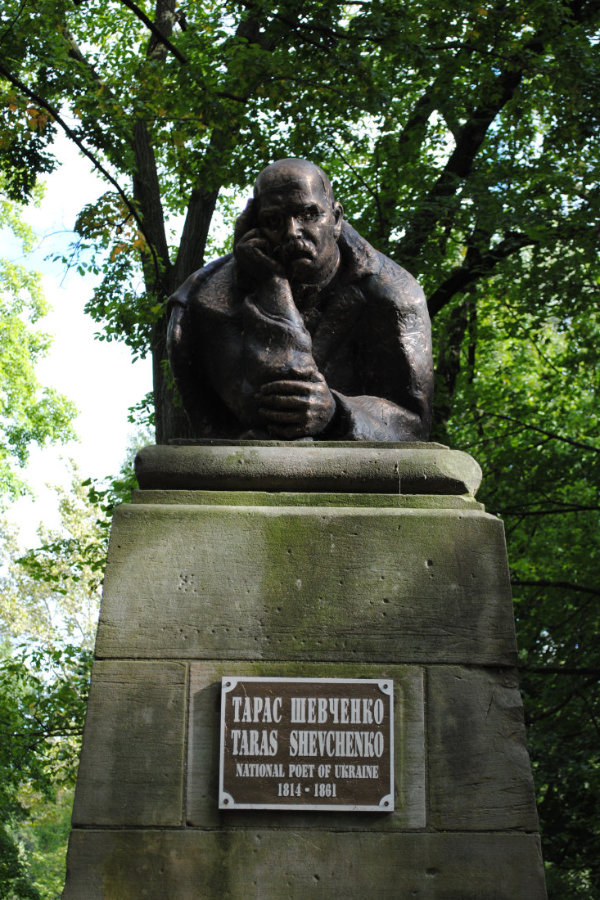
274, 298
367, 418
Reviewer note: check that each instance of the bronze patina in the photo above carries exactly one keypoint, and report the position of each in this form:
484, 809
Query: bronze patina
305, 331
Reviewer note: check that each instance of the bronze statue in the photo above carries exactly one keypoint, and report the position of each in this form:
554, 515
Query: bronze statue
305, 331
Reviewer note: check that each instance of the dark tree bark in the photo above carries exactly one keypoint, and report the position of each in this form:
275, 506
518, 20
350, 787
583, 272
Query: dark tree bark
448, 365
170, 419
478, 264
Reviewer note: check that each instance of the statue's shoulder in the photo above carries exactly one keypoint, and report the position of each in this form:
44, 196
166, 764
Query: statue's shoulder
209, 288
380, 278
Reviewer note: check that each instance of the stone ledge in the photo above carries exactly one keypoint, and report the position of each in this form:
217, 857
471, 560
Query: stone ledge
311, 466
291, 499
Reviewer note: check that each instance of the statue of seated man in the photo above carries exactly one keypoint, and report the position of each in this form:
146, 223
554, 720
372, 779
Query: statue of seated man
305, 331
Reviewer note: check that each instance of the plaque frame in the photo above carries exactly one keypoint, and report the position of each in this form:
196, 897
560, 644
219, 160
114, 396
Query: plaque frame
383, 803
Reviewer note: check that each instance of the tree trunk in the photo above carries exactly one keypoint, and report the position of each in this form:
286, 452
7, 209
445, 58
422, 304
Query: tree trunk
170, 419
448, 365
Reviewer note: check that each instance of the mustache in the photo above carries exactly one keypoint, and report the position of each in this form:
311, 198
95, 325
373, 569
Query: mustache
294, 248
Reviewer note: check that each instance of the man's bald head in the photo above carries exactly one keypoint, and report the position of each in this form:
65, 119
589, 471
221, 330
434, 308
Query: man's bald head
287, 170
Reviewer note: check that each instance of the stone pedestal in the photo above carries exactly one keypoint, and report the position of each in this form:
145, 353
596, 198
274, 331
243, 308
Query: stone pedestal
305, 560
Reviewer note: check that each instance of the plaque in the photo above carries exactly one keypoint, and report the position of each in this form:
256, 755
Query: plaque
307, 743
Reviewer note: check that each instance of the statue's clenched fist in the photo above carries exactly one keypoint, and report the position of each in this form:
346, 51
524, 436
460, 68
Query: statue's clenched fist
293, 408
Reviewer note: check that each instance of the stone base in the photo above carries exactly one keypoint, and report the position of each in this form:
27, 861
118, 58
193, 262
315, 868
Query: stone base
260, 863
363, 581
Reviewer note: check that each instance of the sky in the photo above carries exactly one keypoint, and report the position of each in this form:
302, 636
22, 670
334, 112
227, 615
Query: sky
99, 377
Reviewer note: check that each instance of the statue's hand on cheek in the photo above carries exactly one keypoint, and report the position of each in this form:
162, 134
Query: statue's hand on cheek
254, 256
292, 409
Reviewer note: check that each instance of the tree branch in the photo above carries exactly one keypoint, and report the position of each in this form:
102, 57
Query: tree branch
10, 25
300, 29
550, 434
198, 217
560, 670
564, 585
51, 109
556, 511
76, 53
159, 36
369, 190
103, 139
146, 189
471, 136
553, 710
146, 184
395, 153
449, 361
478, 264
470, 139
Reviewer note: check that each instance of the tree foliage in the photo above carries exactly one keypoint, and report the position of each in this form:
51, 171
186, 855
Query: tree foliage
48, 613
525, 407
51, 594
49, 602
463, 141
29, 412
42, 705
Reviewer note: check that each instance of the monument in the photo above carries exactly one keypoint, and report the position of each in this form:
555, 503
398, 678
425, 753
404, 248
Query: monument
305, 679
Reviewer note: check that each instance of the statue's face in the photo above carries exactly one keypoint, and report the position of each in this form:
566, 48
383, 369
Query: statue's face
301, 223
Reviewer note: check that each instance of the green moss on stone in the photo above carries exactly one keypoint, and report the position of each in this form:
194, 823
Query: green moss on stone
287, 498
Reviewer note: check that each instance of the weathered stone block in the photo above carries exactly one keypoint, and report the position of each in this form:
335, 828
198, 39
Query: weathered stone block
479, 771
132, 761
393, 585
253, 864
409, 747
